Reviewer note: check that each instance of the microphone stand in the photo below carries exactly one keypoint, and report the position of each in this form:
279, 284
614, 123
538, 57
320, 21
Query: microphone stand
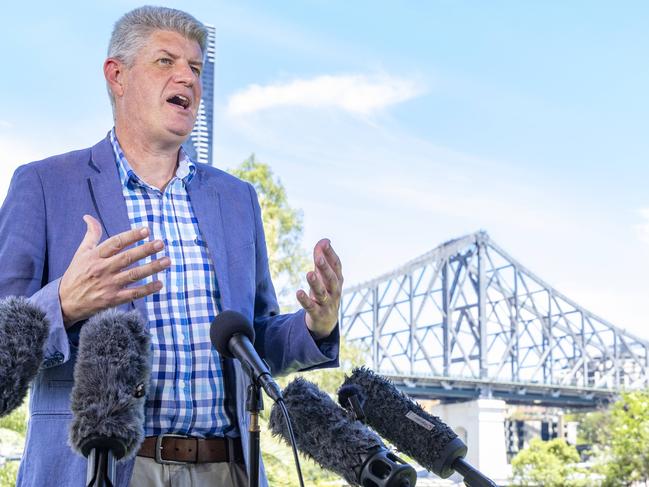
472, 476
103, 469
254, 404
451, 458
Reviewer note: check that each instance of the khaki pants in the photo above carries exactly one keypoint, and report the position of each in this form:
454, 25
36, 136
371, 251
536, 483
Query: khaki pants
148, 473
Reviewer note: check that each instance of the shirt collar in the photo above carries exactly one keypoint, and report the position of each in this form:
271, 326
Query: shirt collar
185, 172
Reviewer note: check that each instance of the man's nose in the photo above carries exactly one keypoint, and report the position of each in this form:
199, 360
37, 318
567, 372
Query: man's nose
185, 74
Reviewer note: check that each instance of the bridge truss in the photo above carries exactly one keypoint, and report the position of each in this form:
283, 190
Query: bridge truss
467, 320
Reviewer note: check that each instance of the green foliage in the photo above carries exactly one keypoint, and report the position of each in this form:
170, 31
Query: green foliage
548, 464
16, 421
594, 428
8, 474
13, 428
627, 439
282, 226
280, 467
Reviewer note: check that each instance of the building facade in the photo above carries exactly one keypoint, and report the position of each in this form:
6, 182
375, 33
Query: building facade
199, 144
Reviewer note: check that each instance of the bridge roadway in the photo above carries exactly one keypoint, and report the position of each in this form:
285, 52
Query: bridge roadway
448, 390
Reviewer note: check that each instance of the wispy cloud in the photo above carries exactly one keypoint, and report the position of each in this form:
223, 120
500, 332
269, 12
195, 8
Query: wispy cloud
642, 229
5, 124
357, 94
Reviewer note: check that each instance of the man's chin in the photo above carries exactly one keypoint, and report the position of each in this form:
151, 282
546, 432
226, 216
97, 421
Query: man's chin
181, 133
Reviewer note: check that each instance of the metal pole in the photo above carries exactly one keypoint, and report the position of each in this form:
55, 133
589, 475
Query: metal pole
482, 312
254, 404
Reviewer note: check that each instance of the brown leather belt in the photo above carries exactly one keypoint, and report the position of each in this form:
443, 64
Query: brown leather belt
176, 449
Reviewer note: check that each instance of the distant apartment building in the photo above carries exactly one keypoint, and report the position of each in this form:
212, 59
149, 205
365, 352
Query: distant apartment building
199, 144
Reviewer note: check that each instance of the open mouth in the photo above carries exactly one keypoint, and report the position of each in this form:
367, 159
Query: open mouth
180, 100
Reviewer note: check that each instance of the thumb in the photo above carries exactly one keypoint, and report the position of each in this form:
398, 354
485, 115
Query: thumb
93, 233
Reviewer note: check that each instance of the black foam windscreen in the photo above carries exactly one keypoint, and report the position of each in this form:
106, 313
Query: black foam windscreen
403, 422
347, 391
324, 431
227, 324
23, 331
111, 378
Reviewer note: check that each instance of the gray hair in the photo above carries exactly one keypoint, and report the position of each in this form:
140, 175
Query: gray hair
133, 29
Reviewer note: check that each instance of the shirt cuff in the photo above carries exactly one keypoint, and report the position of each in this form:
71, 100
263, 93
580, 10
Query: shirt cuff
57, 346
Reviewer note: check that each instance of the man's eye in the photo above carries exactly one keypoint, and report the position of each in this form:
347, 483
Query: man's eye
165, 60
196, 71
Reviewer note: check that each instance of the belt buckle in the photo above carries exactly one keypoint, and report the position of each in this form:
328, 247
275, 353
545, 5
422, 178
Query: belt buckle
158, 449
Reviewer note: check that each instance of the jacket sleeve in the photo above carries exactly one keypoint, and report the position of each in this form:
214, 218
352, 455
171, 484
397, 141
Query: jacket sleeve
283, 340
23, 257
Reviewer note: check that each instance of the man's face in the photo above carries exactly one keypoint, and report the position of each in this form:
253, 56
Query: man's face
161, 91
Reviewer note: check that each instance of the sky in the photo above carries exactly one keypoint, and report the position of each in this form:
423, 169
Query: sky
396, 126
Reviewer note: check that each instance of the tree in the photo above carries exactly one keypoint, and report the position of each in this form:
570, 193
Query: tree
13, 428
8, 474
628, 437
548, 464
282, 225
594, 428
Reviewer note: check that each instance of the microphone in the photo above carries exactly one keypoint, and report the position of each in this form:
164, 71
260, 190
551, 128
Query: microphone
23, 331
406, 425
325, 432
111, 378
232, 335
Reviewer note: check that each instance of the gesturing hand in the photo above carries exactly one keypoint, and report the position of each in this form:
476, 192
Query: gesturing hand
325, 287
97, 277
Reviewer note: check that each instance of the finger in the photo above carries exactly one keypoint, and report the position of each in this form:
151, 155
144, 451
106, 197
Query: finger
317, 287
140, 272
334, 261
305, 301
324, 248
133, 293
327, 275
125, 259
319, 248
93, 233
119, 242
318, 251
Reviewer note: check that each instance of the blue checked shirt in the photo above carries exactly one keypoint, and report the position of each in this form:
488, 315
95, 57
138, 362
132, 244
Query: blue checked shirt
186, 391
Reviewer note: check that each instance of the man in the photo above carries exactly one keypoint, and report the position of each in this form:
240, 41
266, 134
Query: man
132, 222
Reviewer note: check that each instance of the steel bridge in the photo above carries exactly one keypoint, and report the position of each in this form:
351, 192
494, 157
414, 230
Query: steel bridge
466, 320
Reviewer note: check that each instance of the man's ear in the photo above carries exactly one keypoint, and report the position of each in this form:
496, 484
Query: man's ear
114, 74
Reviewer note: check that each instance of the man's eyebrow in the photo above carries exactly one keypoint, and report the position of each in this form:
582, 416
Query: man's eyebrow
170, 54
193, 62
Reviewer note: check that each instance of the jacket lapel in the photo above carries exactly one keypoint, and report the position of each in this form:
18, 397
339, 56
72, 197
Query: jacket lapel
206, 203
106, 192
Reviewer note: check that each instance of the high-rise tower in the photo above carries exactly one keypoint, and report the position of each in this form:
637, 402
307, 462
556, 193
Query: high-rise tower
199, 144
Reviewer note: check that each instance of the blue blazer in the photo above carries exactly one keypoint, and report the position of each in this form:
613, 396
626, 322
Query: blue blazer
41, 227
